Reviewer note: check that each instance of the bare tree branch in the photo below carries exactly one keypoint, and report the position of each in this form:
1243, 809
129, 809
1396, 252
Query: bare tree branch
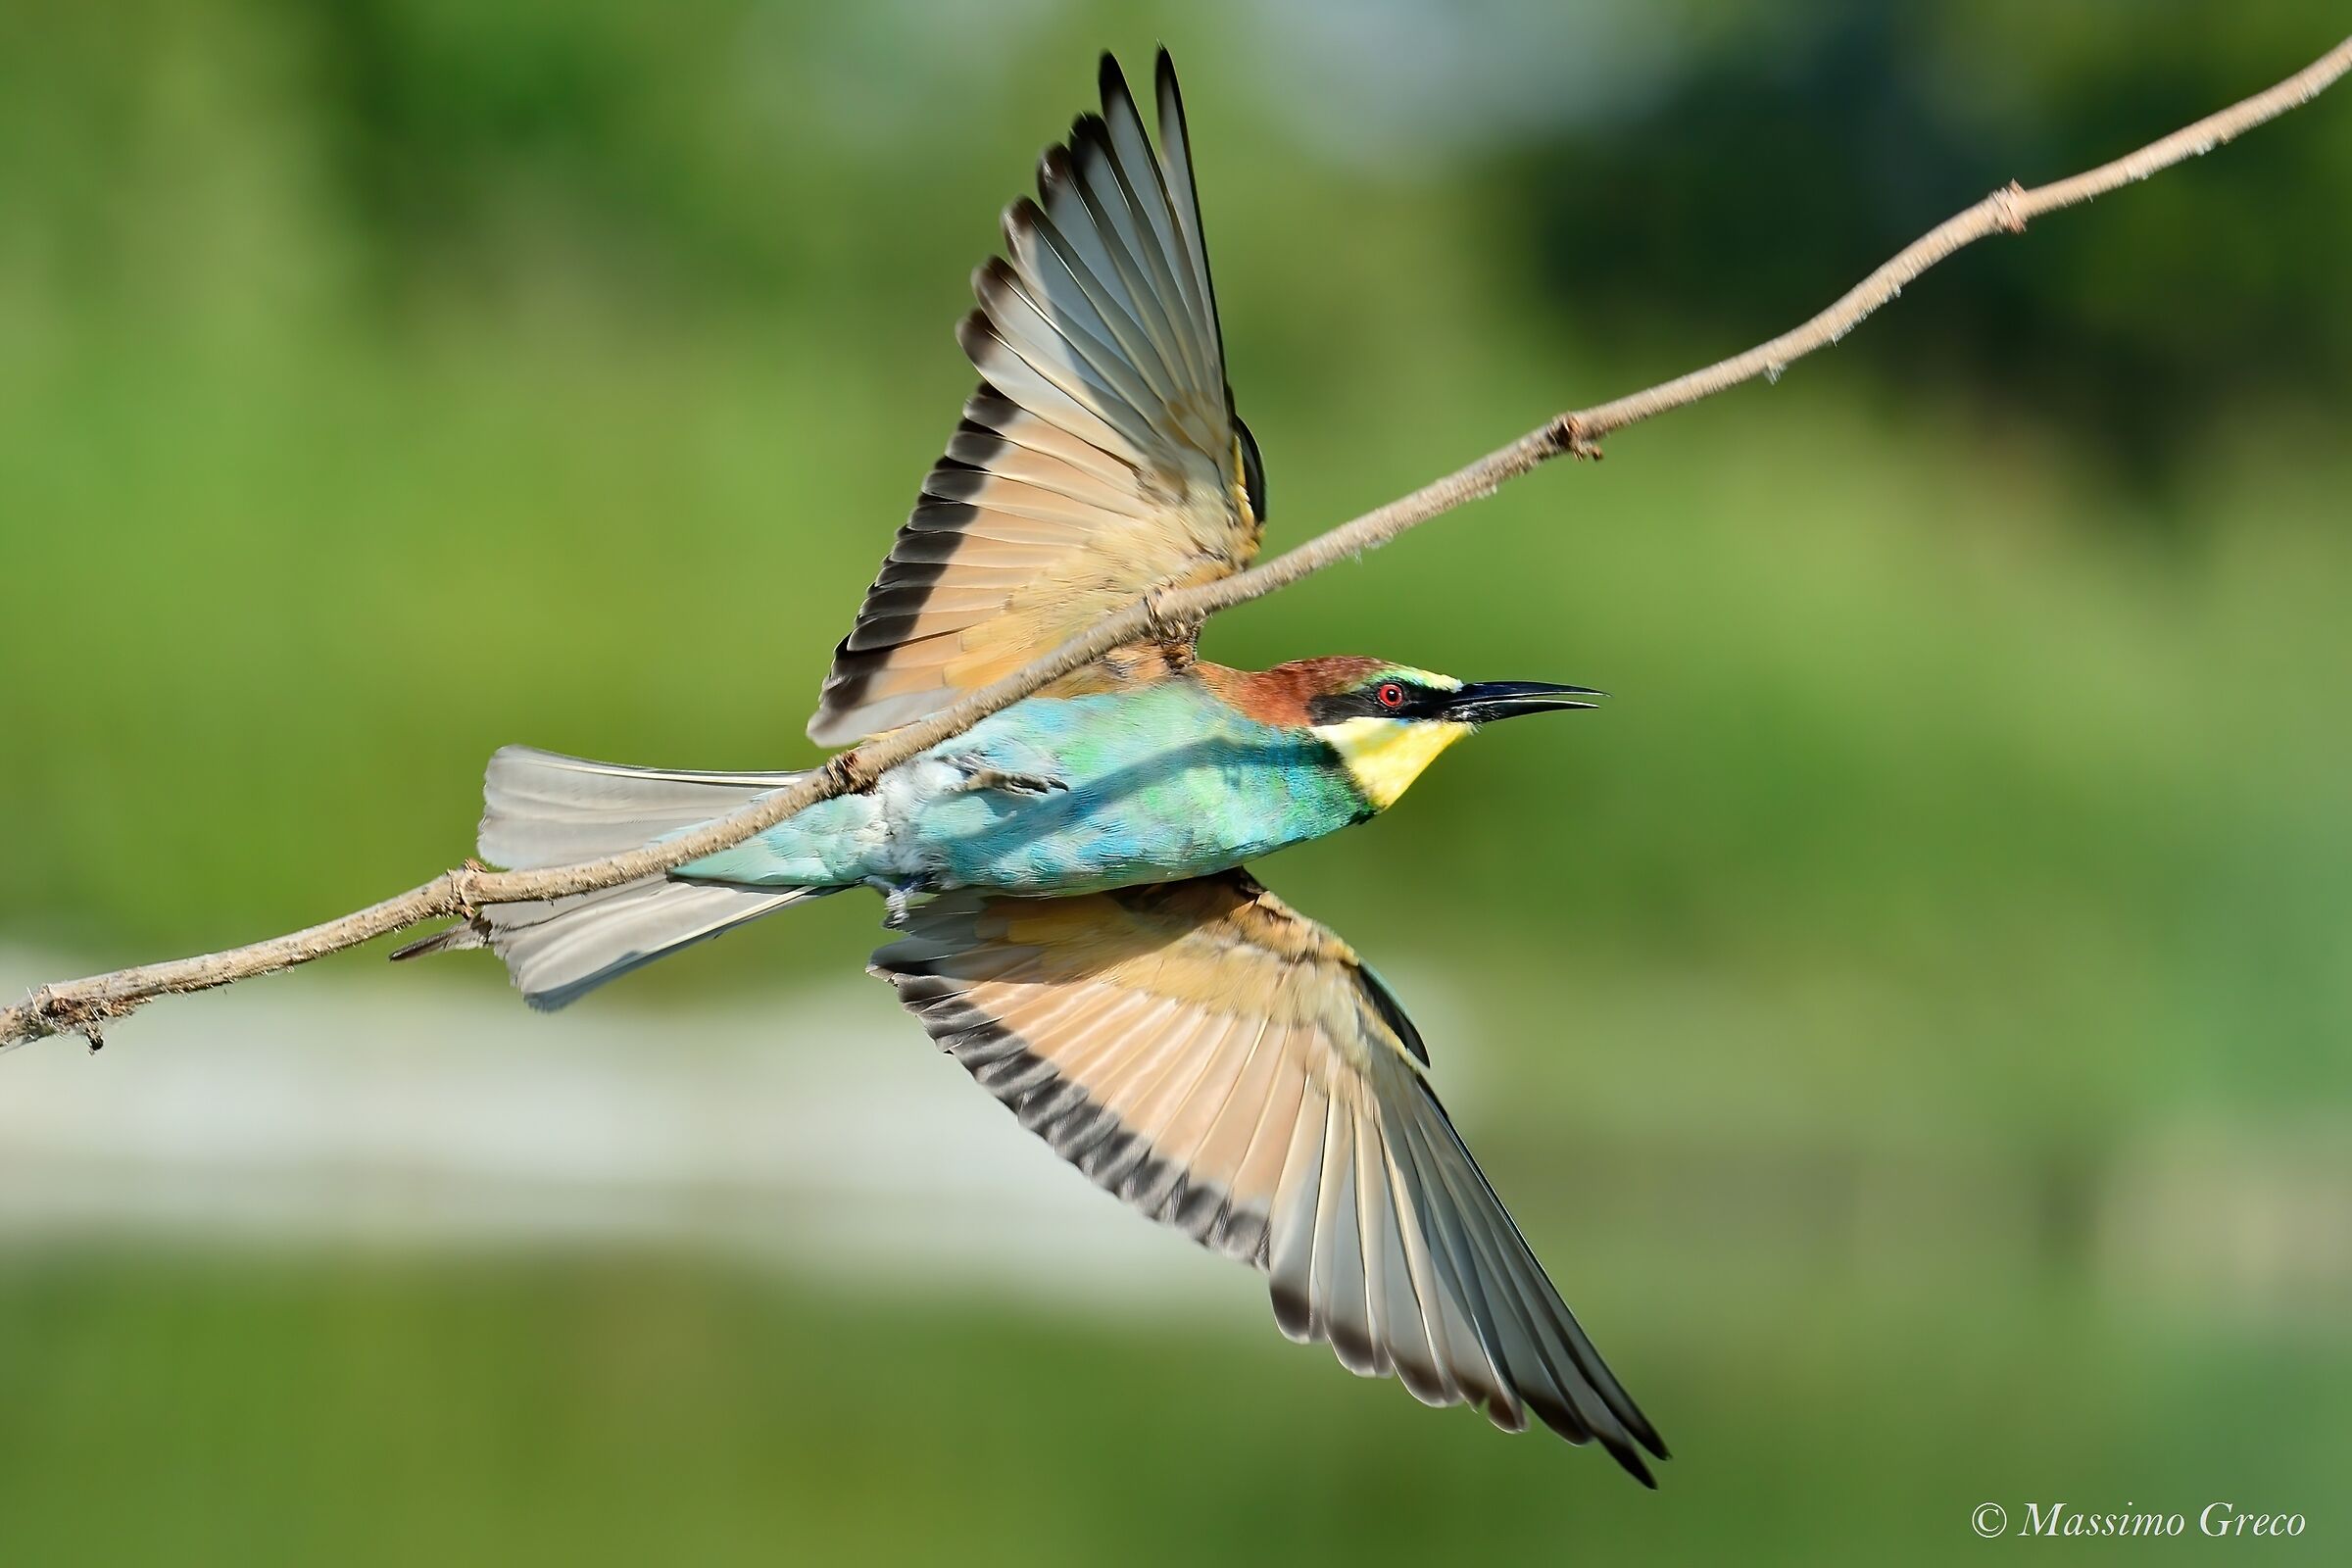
85, 1007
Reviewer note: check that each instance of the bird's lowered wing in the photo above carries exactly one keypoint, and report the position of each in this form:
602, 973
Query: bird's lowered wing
1227, 1066
1101, 456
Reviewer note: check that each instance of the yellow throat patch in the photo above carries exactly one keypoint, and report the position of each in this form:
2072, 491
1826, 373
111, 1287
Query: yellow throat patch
1386, 755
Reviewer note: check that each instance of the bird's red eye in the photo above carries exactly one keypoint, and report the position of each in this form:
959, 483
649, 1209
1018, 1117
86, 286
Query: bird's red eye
1390, 694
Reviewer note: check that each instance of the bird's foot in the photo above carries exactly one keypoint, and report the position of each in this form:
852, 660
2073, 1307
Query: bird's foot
895, 896
979, 776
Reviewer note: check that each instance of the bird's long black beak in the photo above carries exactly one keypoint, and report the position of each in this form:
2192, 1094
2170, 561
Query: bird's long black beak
1484, 701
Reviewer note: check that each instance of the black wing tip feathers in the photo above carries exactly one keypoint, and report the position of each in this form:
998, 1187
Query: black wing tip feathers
1253, 462
1053, 170
1022, 216
973, 332
1294, 1313
1090, 137
1620, 1443
991, 279
1564, 1420
1109, 77
1630, 1462
1391, 1013
1000, 271
1171, 99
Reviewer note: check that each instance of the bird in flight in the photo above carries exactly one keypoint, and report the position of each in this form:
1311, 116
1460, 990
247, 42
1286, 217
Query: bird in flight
1067, 880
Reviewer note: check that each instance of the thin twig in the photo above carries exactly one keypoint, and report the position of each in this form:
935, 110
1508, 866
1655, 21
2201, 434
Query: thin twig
84, 1007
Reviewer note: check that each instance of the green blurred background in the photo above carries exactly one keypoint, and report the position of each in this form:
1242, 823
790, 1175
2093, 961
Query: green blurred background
1910, 1019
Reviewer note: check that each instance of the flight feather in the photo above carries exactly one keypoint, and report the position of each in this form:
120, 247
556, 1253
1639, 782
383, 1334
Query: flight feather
1101, 456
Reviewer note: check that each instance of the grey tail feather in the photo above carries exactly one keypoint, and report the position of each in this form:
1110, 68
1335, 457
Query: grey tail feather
560, 950
456, 939
543, 809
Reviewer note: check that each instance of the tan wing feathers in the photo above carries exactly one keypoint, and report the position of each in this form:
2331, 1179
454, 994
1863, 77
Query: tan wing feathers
991, 416
1013, 511
942, 600
890, 631
1099, 458
1153, 1032
1255, 1182
1151, 1103
1227, 1066
1048, 474
1187, 1126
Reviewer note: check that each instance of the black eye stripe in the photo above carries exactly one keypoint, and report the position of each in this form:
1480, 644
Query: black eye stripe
1413, 701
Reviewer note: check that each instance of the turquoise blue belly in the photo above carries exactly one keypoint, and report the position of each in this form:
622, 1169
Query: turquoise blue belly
1208, 804
1160, 783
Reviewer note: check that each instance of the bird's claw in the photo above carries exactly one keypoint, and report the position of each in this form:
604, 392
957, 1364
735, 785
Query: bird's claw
979, 776
896, 897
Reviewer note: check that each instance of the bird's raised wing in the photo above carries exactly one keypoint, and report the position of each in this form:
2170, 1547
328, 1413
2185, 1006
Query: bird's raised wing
1227, 1066
1101, 456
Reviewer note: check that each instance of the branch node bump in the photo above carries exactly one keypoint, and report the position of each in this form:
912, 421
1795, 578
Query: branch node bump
461, 887
847, 773
2007, 206
1165, 623
1567, 434
37, 1006
55, 1014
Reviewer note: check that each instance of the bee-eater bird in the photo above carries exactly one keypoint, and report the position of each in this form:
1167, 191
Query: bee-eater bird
1089, 943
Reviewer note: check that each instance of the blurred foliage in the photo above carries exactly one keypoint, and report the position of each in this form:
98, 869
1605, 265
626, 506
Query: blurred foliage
630, 1409
1797, 146
387, 380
